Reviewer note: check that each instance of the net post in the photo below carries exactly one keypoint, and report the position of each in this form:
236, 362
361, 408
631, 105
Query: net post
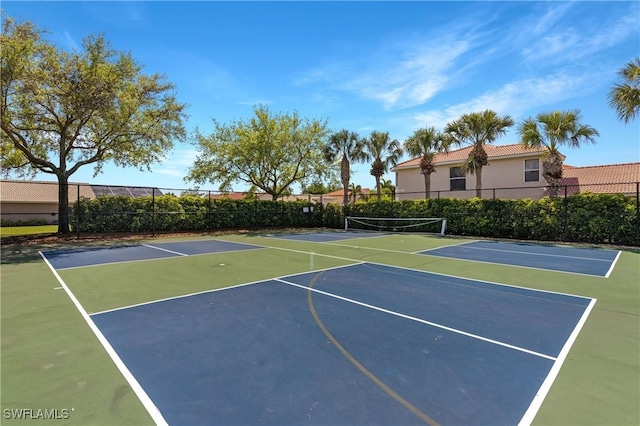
346, 223
443, 227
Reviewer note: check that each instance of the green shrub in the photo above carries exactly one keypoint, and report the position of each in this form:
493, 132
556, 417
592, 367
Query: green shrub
589, 218
23, 222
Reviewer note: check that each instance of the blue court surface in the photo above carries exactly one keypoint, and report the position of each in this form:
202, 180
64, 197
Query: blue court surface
73, 258
359, 345
585, 261
320, 237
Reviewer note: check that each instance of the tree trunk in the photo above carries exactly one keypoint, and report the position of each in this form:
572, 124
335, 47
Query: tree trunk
344, 174
377, 170
479, 182
552, 172
427, 185
63, 204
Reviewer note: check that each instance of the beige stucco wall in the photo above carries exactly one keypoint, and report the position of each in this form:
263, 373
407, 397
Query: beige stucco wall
26, 211
500, 173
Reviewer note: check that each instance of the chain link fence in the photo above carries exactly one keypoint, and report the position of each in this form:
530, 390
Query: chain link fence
29, 207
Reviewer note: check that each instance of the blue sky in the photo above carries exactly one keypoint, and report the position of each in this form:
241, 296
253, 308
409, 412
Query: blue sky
363, 66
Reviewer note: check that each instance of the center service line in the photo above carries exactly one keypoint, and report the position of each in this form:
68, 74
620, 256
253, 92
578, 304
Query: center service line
433, 324
163, 249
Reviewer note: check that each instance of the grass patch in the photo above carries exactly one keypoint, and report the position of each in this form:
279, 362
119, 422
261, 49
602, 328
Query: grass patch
15, 231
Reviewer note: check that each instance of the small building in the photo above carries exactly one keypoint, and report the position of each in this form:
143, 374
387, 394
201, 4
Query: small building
606, 179
29, 199
338, 196
513, 172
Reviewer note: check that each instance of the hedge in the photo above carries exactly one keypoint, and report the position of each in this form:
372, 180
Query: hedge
189, 213
588, 218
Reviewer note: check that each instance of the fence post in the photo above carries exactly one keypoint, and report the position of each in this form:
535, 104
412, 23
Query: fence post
78, 214
153, 212
208, 211
565, 213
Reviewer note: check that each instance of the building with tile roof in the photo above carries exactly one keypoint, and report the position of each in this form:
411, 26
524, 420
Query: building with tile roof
513, 172
605, 179
30, 199
337, 196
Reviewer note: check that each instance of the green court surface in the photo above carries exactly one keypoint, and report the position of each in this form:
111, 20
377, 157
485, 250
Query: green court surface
52, 361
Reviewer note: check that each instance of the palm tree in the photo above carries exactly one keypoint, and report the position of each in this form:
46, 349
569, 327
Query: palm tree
427, 143
384, 152
624, 97
347, 146
550, 130
387, 188
477, 129
355, 191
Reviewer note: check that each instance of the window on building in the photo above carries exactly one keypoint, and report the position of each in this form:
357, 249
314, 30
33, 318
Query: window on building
532, 170
457, 179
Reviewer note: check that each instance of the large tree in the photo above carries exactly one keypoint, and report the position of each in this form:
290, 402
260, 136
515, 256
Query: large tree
347, 146
64, 110
550, 130
426, 143
477, 129
384, 152
624, 97
269, 151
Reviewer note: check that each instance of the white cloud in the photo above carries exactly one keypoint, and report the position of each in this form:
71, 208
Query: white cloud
397, 76
414, 79
555, 13
70, 43
177, 163
252, 102
578, 37
517, 98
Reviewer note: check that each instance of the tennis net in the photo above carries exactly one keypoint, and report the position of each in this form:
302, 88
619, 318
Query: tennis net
430, 225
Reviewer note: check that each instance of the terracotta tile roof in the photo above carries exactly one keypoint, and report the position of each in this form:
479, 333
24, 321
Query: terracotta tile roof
229, 196
610, 178
20, 191
458, 155
340, 192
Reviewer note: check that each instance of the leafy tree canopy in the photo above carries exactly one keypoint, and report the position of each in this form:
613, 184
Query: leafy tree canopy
64, 110
269, 151
319, 187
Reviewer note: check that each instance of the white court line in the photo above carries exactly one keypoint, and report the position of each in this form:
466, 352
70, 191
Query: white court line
220, 289
613, 265
359, 261
363, 247
433, 324
539, 254
513, 266
158, 258
164, 249
449, 245
538, 399
328, 236
148, 404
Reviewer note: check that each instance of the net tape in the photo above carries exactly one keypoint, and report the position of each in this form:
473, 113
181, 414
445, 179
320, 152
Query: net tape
415, 222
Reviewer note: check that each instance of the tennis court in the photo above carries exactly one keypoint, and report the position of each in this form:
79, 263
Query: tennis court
330, 327
587, 261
